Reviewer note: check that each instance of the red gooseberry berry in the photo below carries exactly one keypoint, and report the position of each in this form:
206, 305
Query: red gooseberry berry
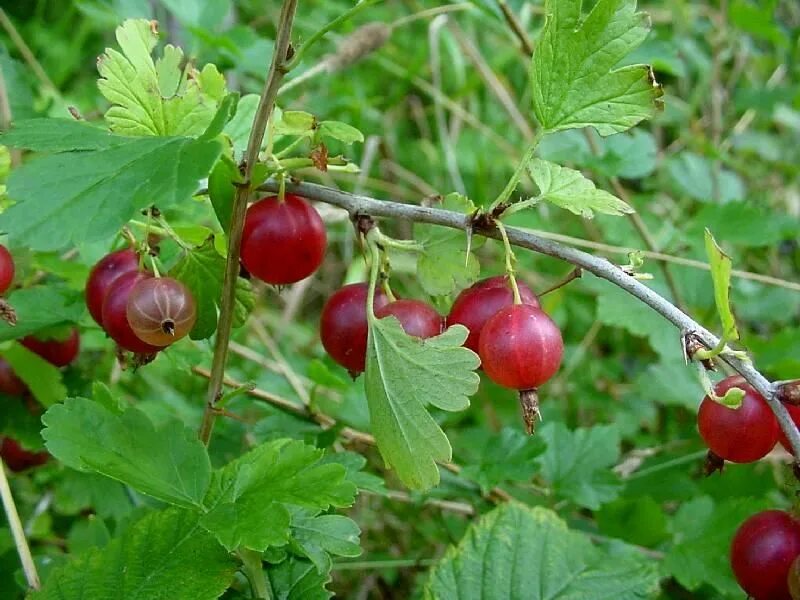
282, 242
103, 274
57, 352
417, 318
7, 269
161, 310
18, 459
343, 325
10, 384
478, 303
520, 347
762, 552
739, 435
115, 314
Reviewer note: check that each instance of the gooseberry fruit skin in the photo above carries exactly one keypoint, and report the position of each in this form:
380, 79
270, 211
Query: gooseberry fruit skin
59, 353
282, 242
343, 325
474, 306
520, 347
161, 310
18, 459
417, 318
115, 314
7, 269
762, 552
10, 383
103, 274
739, 435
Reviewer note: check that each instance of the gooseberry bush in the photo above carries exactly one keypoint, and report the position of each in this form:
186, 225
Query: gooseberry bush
224, 374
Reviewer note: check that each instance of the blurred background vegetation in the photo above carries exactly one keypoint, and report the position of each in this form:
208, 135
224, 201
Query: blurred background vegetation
445, 106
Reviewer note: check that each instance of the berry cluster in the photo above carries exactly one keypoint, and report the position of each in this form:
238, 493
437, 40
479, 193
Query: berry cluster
520, 347
141, 313
59, 352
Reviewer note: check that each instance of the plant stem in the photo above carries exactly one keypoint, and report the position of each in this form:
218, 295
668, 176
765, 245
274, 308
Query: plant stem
28, 566
254, 571
515, 178
277, 69
315, 37
510, 271
363, 205
516, 27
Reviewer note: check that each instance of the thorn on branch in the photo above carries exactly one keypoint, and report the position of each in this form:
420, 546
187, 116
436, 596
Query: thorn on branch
574, 274
788, 392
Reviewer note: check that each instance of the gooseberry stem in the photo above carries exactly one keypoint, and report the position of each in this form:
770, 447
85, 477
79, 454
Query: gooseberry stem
510, 258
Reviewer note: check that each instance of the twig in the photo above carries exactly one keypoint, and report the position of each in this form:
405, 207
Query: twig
6, 118
516, 27
574, 274
277, 70
24, 551
363, 205
26, 53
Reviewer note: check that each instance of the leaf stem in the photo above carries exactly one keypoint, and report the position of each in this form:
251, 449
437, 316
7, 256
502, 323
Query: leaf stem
17, 531
253, 568
517, 176
510, 271
277, 69
318, 35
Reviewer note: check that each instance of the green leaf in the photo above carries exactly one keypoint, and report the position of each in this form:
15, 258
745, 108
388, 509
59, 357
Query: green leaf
164, 98
569, 189
42, 378
87, 196
222, 191
721, 267
520, 552
640, 521
203, 270
575, 82
703, 533
509, 456
317, 537
698, 178
59, 135
238, 128
404, 374
225, 112
444, 267
343, 132
246, 499
354, 463
295, 122
164, 556
168, 463
40, 307
296, 579
577, 464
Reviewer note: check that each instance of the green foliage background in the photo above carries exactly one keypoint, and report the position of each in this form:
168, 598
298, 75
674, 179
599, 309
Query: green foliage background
617, 456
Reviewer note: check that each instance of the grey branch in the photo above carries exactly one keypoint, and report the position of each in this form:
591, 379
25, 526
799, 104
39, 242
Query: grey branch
363, 205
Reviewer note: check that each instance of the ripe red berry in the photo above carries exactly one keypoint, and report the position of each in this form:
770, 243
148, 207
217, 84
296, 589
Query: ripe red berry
740, 435
283, 242
10, 384
520, 347
18, 459
103, 274
343, 326
115, 314
57, 352
7, 269
161, 310
477, 304
417, 318
762, 552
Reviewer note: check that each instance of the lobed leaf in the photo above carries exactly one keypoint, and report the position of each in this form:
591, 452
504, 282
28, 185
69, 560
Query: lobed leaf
403, 375
575, 79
